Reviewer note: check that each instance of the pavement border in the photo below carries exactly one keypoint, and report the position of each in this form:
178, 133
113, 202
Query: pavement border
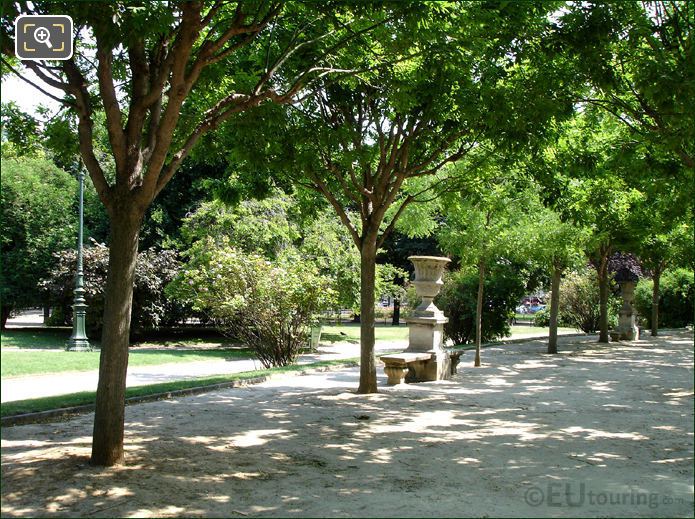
67, 412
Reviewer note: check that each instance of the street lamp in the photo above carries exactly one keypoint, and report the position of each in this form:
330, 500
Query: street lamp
78, 340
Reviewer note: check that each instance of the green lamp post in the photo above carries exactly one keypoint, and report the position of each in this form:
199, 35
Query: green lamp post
78, 340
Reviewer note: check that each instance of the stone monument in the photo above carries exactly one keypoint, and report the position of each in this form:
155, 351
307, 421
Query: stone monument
426, 324
627, 329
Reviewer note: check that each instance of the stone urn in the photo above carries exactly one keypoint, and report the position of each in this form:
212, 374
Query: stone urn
428, 282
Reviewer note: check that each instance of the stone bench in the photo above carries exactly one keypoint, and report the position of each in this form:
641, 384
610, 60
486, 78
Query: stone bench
396, 365
411, 366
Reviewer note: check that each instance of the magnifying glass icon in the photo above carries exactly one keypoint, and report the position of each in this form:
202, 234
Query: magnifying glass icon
43, 35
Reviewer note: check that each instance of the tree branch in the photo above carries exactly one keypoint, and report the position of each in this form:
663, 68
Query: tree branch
392, 224
112, 109
64, 102
321, 187
85, 132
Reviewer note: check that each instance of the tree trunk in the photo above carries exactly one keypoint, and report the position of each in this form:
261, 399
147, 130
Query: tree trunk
6, 311
554, 309
367, 287
396, 320
603, 304
479, 313
655, 302
107, 443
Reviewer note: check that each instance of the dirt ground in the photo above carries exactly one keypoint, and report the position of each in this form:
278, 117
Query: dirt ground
595, 431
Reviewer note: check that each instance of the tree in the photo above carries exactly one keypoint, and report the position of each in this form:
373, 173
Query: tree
20, 129
164, 76
486, 224
263, 226
366, 143
637, 59
327, 243
583, 177
666, 241
557, 246
38, 219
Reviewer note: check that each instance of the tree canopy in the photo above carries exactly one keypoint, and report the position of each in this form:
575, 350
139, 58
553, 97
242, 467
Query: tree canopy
636, 62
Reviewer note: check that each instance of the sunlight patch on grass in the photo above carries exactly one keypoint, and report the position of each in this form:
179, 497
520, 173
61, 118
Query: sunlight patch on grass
16, 363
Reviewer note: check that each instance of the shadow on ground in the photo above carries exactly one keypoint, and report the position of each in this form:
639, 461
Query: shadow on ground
598, 430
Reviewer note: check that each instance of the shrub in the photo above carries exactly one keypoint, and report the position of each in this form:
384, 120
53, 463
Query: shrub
151, 307
676, 299
579, 302
410, 301
268, 306
503, 287
643, 302
542, 318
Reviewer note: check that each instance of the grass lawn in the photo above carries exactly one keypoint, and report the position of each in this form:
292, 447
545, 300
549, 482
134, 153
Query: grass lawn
351, 333
35, 338
538, 330
20, 363
33, 357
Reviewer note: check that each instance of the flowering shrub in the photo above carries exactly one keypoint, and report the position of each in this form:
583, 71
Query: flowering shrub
267, 305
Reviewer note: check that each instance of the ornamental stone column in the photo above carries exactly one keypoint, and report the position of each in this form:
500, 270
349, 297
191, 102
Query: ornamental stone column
426, 325
627, 329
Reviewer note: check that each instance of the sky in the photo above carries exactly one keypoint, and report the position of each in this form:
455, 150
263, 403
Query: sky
26, 96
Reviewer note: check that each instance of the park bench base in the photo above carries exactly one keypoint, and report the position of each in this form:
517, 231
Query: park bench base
408, 367
397, 365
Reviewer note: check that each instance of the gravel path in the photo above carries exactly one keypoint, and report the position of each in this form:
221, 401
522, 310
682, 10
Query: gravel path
595, 431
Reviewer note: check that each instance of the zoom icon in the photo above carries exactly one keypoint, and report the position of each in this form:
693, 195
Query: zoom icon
43, 37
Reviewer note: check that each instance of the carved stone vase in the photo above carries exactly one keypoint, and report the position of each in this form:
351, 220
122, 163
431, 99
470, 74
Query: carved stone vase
428, 282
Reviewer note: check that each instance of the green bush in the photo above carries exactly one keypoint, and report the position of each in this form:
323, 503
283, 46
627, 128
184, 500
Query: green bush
579, 302
267, 305
37, 219
676, 299
151, 308
410, 301
542, 318
503, 288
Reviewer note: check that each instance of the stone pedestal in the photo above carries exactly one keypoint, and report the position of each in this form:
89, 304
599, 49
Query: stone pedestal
426, 326
395, 374
627, 329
